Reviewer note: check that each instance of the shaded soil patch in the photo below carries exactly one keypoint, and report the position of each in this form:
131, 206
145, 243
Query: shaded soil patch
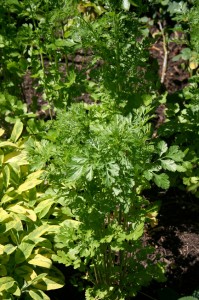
176, 239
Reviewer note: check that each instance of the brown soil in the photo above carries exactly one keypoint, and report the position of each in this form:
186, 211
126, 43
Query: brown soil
176, 239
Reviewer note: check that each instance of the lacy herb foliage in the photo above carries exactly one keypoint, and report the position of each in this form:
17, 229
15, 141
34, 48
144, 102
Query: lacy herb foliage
101, 163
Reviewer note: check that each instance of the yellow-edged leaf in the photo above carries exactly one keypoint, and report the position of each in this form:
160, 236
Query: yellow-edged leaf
43, 207
50, 283
9, 248
7, 144
17, 130
28, 184
6, 176
35, 175
23, 210
3, 214
26, 272
38, 295
40, 260
16, 157
1, 249
24, 251
1, 131
6, 283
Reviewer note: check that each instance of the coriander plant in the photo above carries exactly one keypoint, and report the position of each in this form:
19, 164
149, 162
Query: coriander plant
100, 163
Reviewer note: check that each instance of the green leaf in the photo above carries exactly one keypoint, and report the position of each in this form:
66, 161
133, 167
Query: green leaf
162, 147
161, 180
169, 165
17, 130
49, 283
175, 154
24, 251
2, 131
3, 271
138, 231
14, 223
40, 260
38, 295
7, 144
9, 248
148, 175
38, 278
28, 184
6, 175
16, 208
43, 207
6, 283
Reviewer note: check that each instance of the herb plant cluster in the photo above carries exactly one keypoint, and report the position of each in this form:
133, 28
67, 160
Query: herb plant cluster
72, 186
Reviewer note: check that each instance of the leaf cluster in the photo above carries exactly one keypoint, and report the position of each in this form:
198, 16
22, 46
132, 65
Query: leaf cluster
101, 162
26, 205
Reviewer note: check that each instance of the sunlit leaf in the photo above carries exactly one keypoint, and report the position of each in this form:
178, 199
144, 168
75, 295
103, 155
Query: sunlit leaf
17, 130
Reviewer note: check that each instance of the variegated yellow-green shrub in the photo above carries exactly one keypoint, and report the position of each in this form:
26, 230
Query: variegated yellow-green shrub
26, 226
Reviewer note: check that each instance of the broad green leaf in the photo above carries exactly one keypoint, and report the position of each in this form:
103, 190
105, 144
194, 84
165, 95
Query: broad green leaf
7, 144
161, 180
38, 278
169, 165
6, 175
14, 223
148, 175
35, 175
43, 207
181, 169
19, 158
9, 195
50, 283
3, 270
24, 251
175, 154
6, 283
162, 147
28, 184
26, 272
3, 214
17, 130
31, 181
17, 291
16, 208
9, 248
2, 249
1, 131
40, 260
38, 295
39, 231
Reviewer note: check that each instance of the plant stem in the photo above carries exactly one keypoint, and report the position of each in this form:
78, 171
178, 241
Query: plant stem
164, 66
